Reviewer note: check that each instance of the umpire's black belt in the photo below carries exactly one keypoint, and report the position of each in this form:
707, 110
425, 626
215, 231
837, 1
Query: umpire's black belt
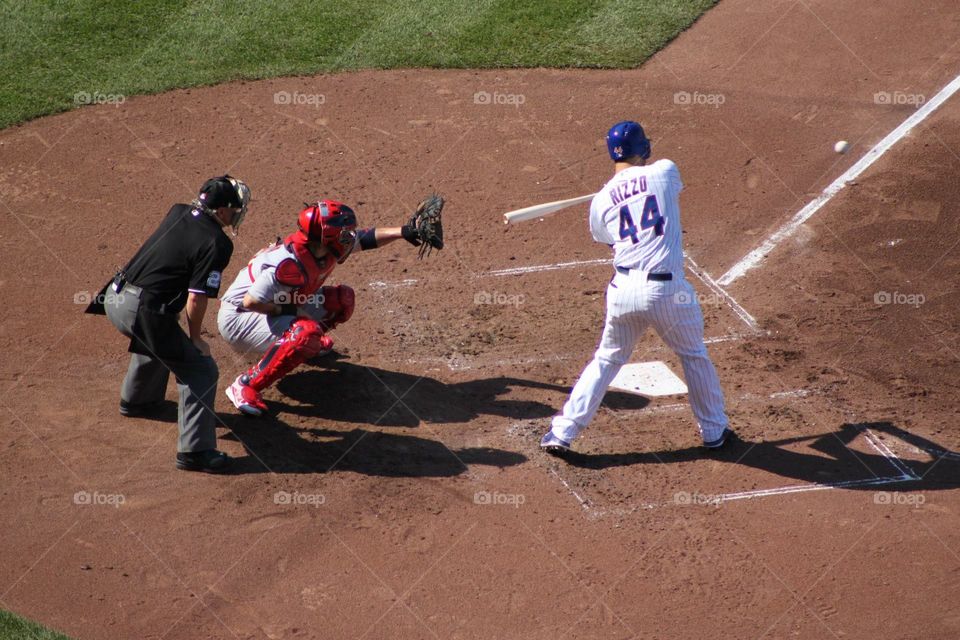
657, 277
120, 285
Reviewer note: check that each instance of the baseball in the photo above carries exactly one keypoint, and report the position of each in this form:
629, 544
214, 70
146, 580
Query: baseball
842, 146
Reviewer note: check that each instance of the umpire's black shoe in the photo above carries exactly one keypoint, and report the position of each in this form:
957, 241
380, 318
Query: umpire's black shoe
209, 461
140, 409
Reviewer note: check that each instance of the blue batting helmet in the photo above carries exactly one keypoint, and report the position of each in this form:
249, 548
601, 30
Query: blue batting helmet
627, 139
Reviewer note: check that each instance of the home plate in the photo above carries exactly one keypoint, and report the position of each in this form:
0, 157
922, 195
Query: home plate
648, 379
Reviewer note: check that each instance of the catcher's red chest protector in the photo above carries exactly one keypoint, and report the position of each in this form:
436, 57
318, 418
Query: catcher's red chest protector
295, 265
306, 273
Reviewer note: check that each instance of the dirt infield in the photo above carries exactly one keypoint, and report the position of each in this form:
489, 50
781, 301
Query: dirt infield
398, 491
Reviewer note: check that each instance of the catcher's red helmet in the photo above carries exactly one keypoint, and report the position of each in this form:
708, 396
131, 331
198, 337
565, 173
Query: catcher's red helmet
333, 224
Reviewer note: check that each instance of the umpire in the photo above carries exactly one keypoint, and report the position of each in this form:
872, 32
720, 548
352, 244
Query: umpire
178, 268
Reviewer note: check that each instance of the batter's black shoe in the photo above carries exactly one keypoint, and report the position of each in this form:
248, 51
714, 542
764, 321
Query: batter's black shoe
727, 434
209, 461
140, 409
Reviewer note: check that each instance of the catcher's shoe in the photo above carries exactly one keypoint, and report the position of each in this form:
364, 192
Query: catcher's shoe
245, 398
209, 461
554, 445
326, 347
722, 440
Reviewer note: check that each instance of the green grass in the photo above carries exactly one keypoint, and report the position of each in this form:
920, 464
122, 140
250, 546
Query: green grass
14, 627
51, 50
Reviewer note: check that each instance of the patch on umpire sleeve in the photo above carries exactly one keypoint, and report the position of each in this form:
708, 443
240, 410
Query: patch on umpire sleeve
213, 280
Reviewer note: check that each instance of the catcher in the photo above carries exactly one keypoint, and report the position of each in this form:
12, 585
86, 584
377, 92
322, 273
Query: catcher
278, 305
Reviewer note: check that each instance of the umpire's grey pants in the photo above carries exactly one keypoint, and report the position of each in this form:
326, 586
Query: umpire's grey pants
146, 379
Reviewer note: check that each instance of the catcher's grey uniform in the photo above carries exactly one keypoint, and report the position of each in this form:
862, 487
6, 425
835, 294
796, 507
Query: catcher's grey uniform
249, 331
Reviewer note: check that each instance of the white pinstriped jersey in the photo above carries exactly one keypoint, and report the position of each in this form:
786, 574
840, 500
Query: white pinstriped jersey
638, 213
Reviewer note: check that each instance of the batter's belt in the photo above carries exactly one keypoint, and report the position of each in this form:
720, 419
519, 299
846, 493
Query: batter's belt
656, 277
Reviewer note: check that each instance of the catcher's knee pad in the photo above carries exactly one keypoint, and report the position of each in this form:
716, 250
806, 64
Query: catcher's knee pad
302, 341
339, 302
305, 336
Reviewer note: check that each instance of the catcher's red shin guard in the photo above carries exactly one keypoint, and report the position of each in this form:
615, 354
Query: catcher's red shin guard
302, 341
339, 302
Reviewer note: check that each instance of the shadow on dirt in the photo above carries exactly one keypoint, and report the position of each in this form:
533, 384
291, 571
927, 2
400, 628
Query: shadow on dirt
346, 392
342, 392
273, 446
836, 463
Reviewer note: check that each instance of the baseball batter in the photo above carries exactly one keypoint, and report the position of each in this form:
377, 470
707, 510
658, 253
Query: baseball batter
637, 213
278, 305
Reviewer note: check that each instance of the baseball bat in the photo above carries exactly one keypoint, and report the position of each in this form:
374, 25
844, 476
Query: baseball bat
541, 210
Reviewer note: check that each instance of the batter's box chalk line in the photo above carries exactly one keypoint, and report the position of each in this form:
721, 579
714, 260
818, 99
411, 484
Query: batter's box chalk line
464, 363
746, 397
742, 314
531, 430
758, 255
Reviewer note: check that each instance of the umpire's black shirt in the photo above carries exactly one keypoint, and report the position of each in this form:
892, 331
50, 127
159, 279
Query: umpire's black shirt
187, 252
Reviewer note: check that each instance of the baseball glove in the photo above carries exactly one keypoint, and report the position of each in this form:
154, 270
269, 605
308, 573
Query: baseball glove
425, 229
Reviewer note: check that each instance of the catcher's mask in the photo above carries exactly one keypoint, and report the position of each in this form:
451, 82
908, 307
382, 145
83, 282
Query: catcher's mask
626, 139
224, 191
333, 224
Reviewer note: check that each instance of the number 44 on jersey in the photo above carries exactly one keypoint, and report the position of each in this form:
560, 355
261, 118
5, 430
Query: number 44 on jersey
649, 218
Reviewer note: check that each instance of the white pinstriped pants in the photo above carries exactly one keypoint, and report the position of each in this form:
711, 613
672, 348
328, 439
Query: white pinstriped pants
633, 304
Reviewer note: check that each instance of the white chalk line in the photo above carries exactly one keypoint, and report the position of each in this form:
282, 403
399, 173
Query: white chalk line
704, 277
515, 271
727, 338
891, 457
757, 256
717, 499
747, 397
796, 393
933, 452
583, 503
804, 488
906, 475
462, 363
379, 284
717, 289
